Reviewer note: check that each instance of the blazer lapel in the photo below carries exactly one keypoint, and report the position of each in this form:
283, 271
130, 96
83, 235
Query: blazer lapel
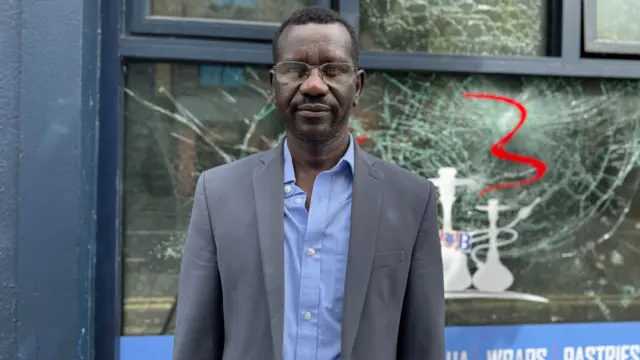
365, 212
268, 182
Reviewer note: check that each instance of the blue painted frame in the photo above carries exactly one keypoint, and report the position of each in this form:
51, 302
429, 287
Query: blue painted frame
565, 50
108, 275
350, 10
141, 22
171, 49
10, 69
139, 36
570, 27
49, 70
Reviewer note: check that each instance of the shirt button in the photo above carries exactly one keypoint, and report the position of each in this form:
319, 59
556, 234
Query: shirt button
307, 316
311, 252
298, 201
287, 189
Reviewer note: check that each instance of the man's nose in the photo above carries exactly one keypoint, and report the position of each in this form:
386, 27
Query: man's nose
314, 85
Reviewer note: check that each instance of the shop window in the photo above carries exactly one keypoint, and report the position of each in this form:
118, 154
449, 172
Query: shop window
474, 27
566, 250
217, 75
617, 20
244, 10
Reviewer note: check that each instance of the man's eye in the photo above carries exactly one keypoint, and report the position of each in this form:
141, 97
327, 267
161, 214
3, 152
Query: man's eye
297, 71
332, 70
335, 70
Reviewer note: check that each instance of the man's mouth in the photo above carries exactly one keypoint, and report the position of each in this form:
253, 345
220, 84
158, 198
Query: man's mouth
314, 107
313, 110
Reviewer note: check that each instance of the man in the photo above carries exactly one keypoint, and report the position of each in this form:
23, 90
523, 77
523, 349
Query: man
345, 263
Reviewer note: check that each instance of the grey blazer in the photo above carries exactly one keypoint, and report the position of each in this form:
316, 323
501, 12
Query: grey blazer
231, 292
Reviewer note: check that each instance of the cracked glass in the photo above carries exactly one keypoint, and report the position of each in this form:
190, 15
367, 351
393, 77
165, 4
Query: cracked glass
618, 20
566, 248
273, 11
473, 27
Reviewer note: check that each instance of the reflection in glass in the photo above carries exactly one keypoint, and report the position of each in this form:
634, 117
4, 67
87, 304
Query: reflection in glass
576, 229
244, 10
478, 27
618, 19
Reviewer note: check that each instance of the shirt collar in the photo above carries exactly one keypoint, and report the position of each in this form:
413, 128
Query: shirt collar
348, 159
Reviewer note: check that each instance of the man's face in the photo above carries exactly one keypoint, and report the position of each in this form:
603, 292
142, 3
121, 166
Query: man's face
316, 108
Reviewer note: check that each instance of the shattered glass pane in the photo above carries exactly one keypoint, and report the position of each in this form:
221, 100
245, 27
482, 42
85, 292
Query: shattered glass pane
618, 19
571, 238
246, 10
478, 27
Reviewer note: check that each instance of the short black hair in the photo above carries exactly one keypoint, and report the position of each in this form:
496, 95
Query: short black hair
316, 15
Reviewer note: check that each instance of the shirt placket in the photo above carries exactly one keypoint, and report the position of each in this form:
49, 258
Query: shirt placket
306, 347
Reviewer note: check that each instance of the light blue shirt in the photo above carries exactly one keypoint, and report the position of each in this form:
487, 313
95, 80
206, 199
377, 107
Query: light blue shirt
315, 260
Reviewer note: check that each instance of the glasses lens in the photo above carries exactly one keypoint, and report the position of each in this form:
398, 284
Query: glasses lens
291, 71
337, 73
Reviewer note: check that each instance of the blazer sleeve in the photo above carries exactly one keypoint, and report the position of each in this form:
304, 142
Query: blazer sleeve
199, 333
422, 322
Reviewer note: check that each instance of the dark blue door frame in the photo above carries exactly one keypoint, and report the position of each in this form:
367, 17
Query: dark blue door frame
49, 70
108, 241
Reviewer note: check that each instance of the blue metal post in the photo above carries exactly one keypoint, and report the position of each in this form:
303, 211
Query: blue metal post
49, 69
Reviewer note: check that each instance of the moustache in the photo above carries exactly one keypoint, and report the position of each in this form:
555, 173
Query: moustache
312, 105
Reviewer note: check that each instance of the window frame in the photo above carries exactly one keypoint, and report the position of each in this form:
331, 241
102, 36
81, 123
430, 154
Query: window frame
142, 22
593, 44
204, 51
107, 291
159, 38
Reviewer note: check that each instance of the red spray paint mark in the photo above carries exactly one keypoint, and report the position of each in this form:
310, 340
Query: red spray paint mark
498, 151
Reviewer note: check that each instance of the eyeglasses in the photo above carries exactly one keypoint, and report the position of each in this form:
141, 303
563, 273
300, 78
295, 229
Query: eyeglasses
295, 72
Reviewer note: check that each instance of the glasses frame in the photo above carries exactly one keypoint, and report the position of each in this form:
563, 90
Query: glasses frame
310, 68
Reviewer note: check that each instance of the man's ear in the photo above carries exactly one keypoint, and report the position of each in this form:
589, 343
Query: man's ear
360, 78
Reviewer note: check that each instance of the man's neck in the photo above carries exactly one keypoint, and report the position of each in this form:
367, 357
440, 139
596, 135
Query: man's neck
317, 157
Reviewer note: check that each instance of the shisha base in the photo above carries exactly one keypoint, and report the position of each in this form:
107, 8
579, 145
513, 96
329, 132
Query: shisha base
493, 276
456, 271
